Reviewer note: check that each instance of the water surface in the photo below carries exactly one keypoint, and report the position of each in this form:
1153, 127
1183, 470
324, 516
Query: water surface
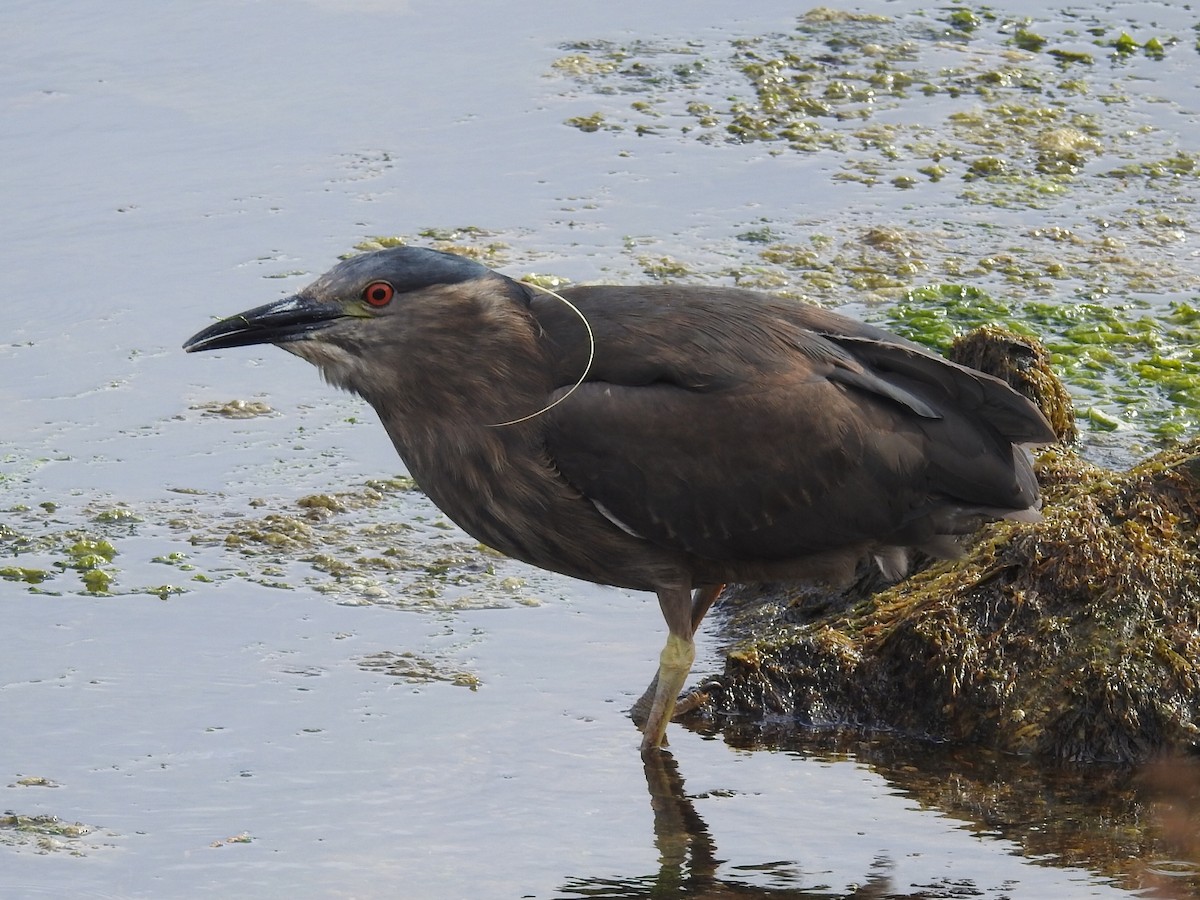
345, 696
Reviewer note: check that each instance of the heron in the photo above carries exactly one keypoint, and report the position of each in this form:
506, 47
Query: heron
664, 438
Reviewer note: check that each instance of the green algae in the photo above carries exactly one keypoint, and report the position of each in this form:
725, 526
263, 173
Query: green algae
117, 515
545, 280
43, 825
798, 96
963, 19
468, 240
592, 122
242, 837
415, 668
996, 114
22, 573
1139, 366
89, 553
354, 546
97, 581
175, 558
1028, 40
380, 242
663, 268
1069, 57
91, 558
580, 64
235, 409
164, 591
44, 833
1125, 44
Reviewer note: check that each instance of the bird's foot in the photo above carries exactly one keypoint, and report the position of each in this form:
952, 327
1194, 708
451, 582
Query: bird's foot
697, 698
688, 702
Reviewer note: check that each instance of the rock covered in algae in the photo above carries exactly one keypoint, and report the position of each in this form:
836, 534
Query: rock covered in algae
1075, 638
1025, 365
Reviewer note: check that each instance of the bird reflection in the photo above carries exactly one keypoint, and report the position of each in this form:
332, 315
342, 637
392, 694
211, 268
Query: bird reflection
686, 852
687, 856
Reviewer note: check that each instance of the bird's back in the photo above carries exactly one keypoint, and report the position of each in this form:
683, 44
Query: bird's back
748, 430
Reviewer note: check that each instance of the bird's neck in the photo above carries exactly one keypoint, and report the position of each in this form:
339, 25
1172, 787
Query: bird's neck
460, 368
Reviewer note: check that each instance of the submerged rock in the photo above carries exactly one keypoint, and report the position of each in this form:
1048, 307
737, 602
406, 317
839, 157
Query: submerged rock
1075, 638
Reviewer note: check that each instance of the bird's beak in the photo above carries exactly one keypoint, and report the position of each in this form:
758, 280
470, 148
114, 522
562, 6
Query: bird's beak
289, 319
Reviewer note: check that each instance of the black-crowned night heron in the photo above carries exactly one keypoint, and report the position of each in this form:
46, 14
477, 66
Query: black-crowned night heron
660, 438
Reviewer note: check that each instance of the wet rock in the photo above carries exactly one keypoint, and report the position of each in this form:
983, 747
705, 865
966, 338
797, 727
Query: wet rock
1075, 638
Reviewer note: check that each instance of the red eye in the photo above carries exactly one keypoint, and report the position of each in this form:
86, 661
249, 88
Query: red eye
379, 293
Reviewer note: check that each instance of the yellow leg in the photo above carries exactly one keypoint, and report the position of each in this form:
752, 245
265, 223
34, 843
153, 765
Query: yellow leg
683, 612
673, 667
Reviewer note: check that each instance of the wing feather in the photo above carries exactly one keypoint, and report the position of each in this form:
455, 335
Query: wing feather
733, 425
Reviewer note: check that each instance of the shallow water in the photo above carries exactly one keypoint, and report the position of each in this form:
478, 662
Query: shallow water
272, 699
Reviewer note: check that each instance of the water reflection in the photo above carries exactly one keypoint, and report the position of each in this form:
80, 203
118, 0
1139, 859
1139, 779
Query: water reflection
1141, 829
687, 855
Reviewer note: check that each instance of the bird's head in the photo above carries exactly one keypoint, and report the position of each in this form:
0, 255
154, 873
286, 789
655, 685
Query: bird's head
373, 318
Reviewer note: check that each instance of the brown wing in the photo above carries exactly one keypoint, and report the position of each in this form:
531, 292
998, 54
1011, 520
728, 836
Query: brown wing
746, 435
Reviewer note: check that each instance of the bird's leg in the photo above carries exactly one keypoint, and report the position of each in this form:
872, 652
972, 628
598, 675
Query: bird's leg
674, 663
701, 601
684, 613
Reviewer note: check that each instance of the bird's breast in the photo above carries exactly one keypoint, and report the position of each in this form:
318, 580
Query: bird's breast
503, 490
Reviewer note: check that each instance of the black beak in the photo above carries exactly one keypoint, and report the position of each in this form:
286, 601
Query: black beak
290, 319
